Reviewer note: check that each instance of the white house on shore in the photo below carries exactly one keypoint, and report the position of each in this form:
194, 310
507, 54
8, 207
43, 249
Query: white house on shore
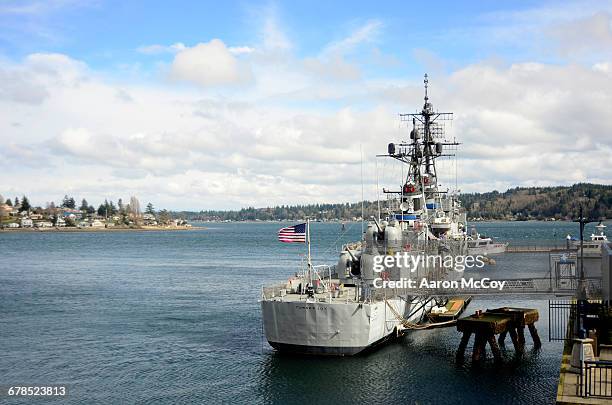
97, 224
26, 223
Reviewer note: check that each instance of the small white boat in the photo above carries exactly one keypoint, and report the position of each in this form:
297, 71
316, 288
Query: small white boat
594, 245
482, 245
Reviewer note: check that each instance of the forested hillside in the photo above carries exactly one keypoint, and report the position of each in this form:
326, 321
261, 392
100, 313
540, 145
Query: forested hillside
517, 203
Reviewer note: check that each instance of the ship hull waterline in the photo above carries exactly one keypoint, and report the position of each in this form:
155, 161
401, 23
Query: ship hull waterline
336, 329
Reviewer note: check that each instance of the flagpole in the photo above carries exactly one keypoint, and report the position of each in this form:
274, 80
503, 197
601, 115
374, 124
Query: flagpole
308, 242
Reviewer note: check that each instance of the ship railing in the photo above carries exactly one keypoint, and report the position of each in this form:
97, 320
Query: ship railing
273, 291
322, 273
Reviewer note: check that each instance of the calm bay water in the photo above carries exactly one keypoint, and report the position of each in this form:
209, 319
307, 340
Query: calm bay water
173, 317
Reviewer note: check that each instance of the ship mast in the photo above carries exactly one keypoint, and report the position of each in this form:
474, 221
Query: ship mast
419, 195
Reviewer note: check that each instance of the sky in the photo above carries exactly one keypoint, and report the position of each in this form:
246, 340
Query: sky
222, 105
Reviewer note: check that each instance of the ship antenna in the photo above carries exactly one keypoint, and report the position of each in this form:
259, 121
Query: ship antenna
426, 81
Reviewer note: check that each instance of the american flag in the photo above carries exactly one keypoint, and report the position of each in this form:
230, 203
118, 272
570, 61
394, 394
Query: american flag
293, 234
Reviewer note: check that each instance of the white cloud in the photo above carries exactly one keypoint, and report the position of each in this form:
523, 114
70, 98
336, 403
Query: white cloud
605, 67
365, 33
586, 35
157, 49
36, 7
336, 68
209, 64
274, 38
66, 128
240, 50
332, 63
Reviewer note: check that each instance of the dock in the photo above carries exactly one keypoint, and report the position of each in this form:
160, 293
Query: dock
535, 248
500, 321
454, 308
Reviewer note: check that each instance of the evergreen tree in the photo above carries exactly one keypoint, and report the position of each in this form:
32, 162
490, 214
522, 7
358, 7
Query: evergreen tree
150, 209
102, 210
16, 201
91, 209
9, 202
25, 205
164, 216
84, 205
68, 202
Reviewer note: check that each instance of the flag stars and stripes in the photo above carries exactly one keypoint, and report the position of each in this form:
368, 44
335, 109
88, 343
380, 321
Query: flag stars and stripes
293, 234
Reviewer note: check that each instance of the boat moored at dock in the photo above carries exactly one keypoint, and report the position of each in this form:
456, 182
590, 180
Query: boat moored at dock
342, 309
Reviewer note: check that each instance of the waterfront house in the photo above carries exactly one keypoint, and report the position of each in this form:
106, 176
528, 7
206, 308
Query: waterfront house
72, 213
36, 217
5, 210
43, 224
59, 221
26, 222
96, 223
13, 225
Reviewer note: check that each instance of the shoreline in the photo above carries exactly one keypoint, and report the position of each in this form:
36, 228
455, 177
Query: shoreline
111, 229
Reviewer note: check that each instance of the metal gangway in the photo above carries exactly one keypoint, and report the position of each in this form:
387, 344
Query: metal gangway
561, 280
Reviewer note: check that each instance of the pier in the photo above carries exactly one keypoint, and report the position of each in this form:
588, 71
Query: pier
535, 248
485, 326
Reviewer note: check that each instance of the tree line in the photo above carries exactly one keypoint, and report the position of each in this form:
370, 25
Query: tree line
561, 202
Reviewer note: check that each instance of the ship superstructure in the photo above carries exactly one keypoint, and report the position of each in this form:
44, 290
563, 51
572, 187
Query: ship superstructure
354, 305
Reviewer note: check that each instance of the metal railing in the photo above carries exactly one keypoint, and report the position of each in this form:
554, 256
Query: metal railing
596, 379
323, 273
561, 318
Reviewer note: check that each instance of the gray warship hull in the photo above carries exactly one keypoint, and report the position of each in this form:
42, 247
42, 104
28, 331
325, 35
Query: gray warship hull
337, 328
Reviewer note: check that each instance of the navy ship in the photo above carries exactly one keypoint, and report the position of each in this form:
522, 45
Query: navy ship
352, 306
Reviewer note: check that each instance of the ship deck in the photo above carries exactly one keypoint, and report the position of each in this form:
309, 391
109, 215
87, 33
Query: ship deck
343, 295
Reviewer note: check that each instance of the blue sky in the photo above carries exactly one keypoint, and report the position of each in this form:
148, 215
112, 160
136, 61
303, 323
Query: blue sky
204, 104
107, 34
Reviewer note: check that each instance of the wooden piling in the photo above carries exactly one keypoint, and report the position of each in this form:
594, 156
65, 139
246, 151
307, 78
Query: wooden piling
515, 340
497, 355
502, 338
463, 345
479, 347
521, 336
537, 343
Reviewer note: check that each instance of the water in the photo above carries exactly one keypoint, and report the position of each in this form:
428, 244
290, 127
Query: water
173, 317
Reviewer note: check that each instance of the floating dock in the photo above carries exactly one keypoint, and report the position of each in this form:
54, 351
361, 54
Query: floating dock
500, 321
454, 308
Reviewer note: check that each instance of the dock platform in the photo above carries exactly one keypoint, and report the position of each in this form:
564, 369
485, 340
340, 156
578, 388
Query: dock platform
535, 248
500, 321
454, 308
